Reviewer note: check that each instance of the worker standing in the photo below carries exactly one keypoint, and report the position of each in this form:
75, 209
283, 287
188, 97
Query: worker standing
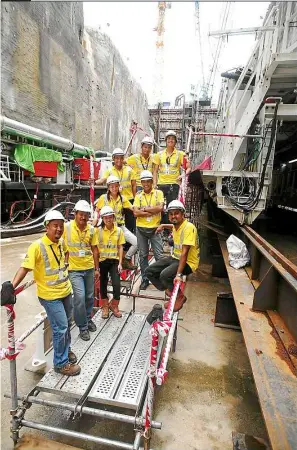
167, 167
127, 179
46, 258
119, 204
142, 161
148, 206
81, 241
185, 258
111, 240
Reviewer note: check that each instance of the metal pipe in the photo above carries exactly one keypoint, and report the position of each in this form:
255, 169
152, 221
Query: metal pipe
234, 32
76, 434
138, 421
14, 127
137, 440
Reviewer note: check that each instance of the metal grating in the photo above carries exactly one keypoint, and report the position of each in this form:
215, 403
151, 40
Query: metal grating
132, 386
100, 345
109, 379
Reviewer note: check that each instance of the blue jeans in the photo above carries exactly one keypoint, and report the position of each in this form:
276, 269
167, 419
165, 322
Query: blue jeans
144, 237
59, 314
83, 296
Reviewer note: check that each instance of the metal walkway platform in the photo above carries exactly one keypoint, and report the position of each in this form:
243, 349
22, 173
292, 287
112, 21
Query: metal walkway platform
116, 373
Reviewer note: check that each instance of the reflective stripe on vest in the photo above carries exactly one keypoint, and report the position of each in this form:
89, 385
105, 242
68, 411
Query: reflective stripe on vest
169, 169
178, 247
71, 244
48, 270
109, 250
140, 165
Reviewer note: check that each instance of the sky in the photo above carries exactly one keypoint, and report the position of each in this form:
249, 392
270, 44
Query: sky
130, 26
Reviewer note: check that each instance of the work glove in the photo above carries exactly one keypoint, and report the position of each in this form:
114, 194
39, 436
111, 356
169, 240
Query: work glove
7, 294
155, 314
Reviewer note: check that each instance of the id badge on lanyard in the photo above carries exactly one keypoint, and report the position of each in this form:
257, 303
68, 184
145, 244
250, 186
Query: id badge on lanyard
81, 253
167, 169
61, 274
149, 219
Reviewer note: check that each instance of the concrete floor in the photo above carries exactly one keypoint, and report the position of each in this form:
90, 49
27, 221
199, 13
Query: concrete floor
209, 391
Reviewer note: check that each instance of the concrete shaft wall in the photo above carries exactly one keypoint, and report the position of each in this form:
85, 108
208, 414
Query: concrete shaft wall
65, 79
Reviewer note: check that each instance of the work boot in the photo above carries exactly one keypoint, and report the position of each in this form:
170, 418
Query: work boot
105, 310
72, 357
179, 302
144, 285
114, 308
69, 370
127, 264
91, 326
85, 335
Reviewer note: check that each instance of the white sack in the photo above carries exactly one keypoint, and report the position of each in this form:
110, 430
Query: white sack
238, 253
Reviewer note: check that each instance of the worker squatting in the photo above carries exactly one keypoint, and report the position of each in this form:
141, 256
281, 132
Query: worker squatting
71, 257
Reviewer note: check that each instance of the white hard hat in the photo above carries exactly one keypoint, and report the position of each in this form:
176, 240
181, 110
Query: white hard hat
118, 152
53, 215
170, 133
147, 140
106, 211
176, 204
82, 205
146, 175
112, 179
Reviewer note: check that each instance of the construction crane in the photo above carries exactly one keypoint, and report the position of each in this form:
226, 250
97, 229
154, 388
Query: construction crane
207, 86
159, 61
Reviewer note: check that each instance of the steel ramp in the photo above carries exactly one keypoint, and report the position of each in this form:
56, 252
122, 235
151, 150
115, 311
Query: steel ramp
118, 352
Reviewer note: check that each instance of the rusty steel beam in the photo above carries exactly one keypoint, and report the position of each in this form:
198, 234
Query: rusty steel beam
285, 262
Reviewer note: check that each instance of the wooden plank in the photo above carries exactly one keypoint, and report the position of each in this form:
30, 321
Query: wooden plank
274, 373
31, 442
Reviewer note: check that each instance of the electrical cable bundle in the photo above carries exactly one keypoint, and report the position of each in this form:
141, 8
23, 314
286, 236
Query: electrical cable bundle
238, 186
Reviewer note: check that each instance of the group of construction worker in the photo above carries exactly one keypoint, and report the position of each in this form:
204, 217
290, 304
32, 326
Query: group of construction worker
71, 257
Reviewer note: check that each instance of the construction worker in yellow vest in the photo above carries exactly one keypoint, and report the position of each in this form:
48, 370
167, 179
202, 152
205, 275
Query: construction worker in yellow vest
185, 258
142, 161
148, 206
125, 174
167, 170
111, 240
81, 241
119, 204
127, 179
46, 258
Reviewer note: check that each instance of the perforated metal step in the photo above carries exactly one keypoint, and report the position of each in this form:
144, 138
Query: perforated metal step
90, 354
118, 362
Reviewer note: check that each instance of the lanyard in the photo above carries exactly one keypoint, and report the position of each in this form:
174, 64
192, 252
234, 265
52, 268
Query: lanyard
122, 172
114, 204
55, 256
81, 239
143, 165
148, 204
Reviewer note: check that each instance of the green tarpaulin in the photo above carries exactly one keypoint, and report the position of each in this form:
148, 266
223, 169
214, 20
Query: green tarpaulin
26, 154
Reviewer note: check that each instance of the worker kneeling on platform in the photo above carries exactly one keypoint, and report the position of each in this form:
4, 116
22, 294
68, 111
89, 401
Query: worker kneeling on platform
148, 206
111, 240
185, 258
46, 257
83, 257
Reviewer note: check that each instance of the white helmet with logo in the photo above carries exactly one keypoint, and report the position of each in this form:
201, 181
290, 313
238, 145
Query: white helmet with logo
118, 152
112, 179
146, 175
147, 140
170, 133
176, 204
82, 205
106, 211
53, 215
